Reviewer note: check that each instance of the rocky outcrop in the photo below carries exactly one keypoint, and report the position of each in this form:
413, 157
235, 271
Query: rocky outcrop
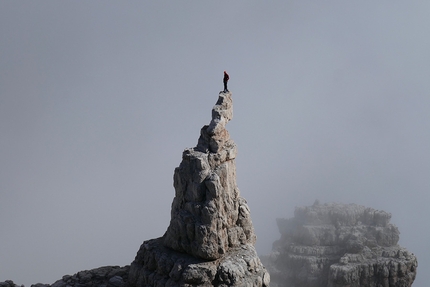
208, 216
157, 265
106, 276
338, 245
9, 283
210, 239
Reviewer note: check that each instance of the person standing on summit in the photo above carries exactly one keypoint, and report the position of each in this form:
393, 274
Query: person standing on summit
225, 80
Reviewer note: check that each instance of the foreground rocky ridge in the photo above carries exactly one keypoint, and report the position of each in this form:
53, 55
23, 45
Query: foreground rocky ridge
338, 245
106, 276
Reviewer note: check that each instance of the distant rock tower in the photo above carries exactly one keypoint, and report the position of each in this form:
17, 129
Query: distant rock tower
340, 245
210, 239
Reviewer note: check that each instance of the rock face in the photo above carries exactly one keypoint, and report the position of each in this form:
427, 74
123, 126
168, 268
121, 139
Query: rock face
210, 239
208, 217
338, 245
157, 265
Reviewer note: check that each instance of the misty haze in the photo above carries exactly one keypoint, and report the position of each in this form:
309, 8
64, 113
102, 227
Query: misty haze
98, 101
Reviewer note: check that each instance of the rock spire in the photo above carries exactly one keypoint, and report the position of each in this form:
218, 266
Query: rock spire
210, 239
208, 216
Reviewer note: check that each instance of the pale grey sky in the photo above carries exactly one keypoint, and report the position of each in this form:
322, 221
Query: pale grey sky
98, 99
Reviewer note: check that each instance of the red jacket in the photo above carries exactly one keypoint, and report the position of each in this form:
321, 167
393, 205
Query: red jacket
226, 77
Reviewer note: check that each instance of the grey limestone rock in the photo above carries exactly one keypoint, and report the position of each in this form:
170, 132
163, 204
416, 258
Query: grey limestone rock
338, 245
210, 239
9, 283
106, 276
208, 216
157, 265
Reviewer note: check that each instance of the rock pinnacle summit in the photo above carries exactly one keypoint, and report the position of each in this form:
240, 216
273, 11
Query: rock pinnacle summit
210, 239
208, 216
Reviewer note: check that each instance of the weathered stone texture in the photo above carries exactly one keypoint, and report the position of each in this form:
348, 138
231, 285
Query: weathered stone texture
338, 245
208, 216
210, 239
156, 265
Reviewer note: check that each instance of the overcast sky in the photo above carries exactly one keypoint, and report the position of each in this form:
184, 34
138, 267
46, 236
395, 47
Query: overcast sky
98, 99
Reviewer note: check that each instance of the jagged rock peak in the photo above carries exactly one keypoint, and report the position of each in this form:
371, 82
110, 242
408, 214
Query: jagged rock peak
339, 245
222, 113
214, 137
208, 216
210, 239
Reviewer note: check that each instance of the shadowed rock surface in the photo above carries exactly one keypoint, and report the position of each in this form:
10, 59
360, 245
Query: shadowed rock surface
338, 245
106, 276
9, 283
210, 239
